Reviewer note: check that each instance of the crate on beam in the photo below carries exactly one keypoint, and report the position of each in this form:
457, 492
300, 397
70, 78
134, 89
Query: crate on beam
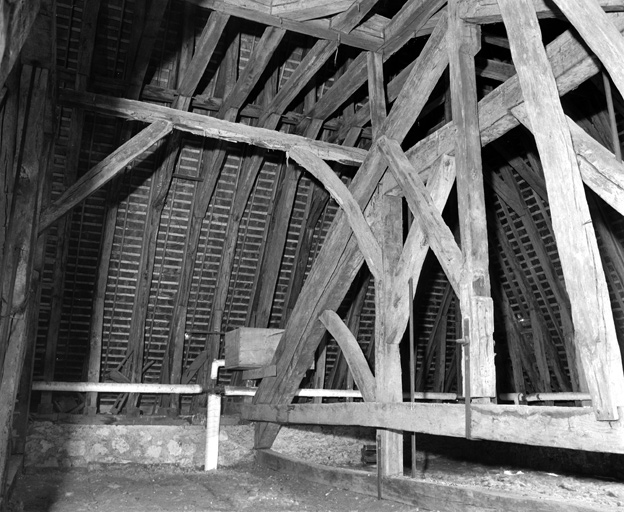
248, 347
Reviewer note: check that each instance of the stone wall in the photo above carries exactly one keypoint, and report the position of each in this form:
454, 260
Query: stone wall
60, 444
66, 445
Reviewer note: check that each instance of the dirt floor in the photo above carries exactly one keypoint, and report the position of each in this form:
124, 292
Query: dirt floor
595, 481
157, 489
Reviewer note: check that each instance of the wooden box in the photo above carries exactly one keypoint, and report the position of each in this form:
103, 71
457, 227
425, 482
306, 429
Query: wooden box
249, 347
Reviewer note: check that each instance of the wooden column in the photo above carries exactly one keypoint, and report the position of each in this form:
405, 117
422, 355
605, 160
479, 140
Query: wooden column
475, 300
33, 152
339, 260
595, 334
389, 232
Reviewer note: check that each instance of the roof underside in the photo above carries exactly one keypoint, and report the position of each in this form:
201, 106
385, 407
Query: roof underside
144, 51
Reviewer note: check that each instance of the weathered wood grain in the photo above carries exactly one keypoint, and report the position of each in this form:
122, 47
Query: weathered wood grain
206, 126
595, 336
439, 235
352, 352
338, 190
105, 171
487, 11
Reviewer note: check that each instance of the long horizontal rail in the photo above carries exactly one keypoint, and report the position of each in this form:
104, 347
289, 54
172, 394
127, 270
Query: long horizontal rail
545, 397
119, 387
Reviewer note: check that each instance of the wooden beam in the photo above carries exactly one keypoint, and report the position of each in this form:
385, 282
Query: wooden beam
357, 73
403, 26
571, 64
339, 376
17, 279
487, 11
476, 303
17, 19
210, 36
258, 62
330, 277
427, 360
147, 19
494, 69
439, 235
576, 240
146, 24
600, 34
415, 249
105, 171
206, 126
353, 354
599, 167
212, 165
362, 39
308, 67
562, 427
376, 91
316, 204
266, 276
333, 184
387, 221
303, 10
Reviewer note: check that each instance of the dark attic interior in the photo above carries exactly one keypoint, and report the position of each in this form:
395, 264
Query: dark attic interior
310, 254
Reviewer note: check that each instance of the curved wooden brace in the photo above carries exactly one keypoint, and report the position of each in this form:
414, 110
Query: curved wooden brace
362, 374
367, 242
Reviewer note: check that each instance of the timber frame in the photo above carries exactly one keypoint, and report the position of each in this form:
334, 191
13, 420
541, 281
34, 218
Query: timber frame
359, 143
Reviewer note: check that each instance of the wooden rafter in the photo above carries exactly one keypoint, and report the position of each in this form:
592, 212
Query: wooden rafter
105, 171
357, 73
578, 250
322, 29
267, 273
146, 23
571, 65
16, 21
487, 11
330, 277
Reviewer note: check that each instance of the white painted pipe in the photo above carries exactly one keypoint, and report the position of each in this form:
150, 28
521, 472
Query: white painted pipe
213, 420
545, 397
119, 387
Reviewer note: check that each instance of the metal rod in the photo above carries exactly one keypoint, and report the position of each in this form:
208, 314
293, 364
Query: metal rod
412, 363
614, 130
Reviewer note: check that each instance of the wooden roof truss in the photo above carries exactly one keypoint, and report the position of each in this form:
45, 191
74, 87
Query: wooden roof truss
264, 110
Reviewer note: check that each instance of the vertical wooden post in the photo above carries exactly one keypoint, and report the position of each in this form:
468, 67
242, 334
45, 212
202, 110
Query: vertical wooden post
476, 303
319, 369
595, 335
389, 231
20, 249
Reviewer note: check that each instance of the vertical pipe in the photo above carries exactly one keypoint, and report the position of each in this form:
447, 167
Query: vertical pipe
614, 131
379, 466
213, 422
412, 364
